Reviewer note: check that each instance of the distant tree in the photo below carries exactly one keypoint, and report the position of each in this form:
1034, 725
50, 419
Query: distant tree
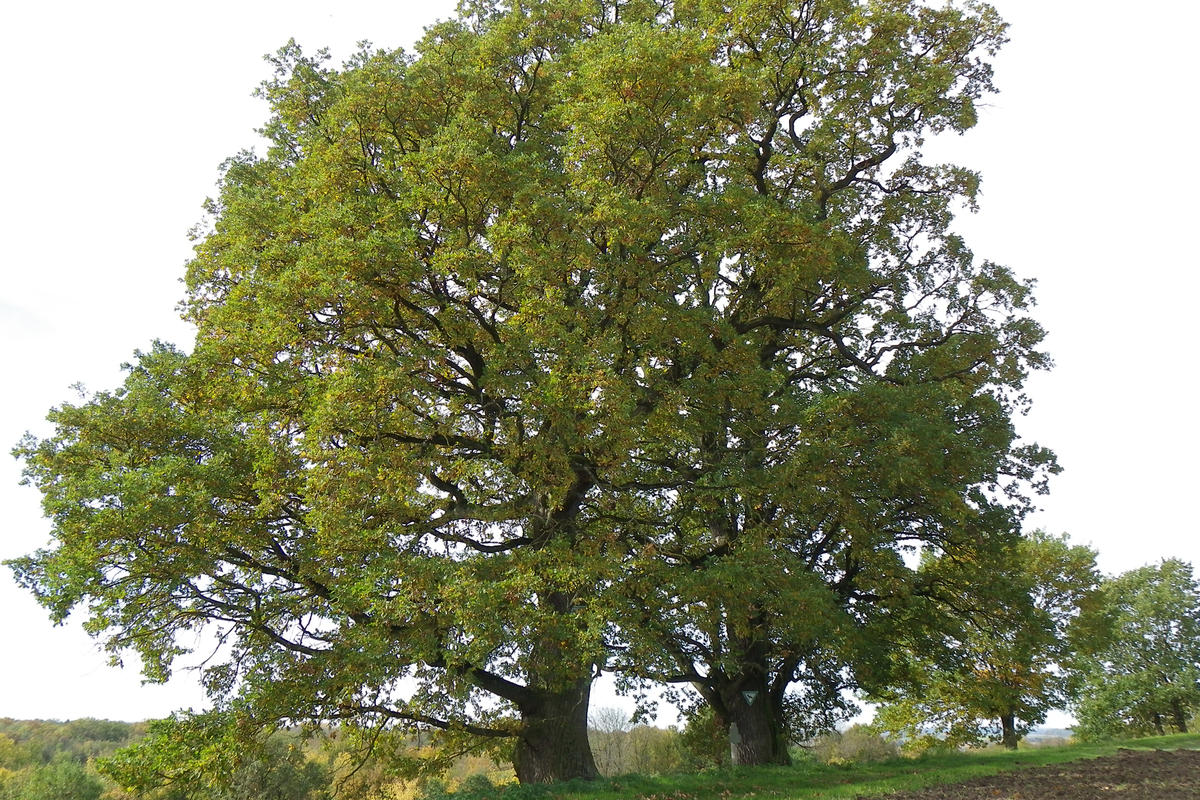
608, 733
30, 742
1139, 669
12, 755
621, 747
1002, 664
89, 729
61, 779
856, 744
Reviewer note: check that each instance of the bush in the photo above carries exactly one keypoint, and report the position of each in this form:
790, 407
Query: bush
704, 742
476, 786
858, 744
59, 780
433, 789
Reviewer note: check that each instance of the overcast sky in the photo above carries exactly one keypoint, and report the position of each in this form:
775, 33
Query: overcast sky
117, 115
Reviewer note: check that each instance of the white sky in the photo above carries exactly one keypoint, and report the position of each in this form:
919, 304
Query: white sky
117, 114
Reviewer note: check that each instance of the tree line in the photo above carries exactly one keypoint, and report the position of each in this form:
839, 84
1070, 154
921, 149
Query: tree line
1119, 652
628, 336
41, 760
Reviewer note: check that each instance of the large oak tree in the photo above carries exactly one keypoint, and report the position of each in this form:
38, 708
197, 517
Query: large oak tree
579, 301
847, 397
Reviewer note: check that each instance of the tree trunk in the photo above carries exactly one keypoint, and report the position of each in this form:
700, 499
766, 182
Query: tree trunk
1179, 716
1008, 732
1158, 726
756, 733
553, 744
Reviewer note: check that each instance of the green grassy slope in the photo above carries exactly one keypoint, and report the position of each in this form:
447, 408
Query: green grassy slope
812, 781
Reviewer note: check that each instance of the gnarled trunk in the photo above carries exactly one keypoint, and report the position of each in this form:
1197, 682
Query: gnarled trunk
750, 706
1008, 732
553, 743
756, 731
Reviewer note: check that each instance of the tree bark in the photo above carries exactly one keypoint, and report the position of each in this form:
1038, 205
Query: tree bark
553, 743
753, 711
1008, 732
1179, 716
756, 733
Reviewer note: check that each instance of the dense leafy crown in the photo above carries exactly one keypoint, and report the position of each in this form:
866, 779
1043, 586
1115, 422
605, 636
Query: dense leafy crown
1006, 648
1138, 667
506, 336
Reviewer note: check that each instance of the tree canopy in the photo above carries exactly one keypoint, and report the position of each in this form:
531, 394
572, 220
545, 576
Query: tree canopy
1139, 653
1005, 657
620, 334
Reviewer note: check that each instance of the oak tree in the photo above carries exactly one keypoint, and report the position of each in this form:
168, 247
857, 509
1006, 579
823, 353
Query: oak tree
846, 378
526, 354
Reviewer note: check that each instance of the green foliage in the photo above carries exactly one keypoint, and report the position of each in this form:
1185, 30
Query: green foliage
1139, 668
858, 744
61, 779
280, 771
588, 329
704, 741
182, 753
12, 755
26, 742
1000, 668
477, 785
198, 757
473, 787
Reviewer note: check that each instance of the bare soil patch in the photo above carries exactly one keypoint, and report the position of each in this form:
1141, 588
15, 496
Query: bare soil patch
1128, 775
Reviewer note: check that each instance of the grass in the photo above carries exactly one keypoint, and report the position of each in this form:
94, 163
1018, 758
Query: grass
810, 781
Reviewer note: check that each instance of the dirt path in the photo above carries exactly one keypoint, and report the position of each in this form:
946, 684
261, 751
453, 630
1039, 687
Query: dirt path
1128, 775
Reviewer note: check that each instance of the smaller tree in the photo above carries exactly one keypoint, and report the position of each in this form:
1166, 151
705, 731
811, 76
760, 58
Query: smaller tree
608, 734
1000, 668
1139, 666
12, 755
61, 779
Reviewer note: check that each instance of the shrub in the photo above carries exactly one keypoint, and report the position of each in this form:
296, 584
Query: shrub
476, 786
704, 742
858, 744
